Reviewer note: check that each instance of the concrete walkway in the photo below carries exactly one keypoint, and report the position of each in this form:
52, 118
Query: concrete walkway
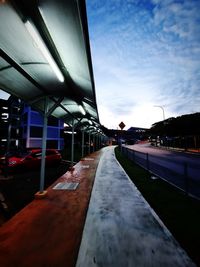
121, 230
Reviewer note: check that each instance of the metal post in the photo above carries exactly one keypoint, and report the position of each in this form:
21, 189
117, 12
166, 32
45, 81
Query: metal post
28, 128
133, 155
162, 111
44, 138
82, 152
89, 144
7, 148
186, 178
72, 147
147, 160
96, 142
93, 141
100, 141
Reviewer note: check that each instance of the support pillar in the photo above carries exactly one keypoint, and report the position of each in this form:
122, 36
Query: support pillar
44, 138
97, 140
82, 144
72, 147
89, 143
93, 140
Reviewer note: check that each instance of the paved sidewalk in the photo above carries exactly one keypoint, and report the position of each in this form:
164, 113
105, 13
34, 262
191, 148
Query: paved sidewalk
121, 230
48, 231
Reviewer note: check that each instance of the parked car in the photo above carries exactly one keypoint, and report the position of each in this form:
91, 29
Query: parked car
29, 160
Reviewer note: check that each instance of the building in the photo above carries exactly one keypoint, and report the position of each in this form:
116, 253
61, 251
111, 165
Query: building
134, 134
32, 126
10, 123
3, 124
130, 136
21, 127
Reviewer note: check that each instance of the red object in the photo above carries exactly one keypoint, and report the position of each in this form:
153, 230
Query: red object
30, 159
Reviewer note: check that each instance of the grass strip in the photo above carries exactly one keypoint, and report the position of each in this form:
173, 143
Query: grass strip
180, 213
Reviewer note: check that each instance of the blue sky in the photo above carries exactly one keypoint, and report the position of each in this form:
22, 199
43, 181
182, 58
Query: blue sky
145, 53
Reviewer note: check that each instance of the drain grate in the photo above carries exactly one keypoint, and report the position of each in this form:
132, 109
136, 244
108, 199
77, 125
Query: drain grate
66, 186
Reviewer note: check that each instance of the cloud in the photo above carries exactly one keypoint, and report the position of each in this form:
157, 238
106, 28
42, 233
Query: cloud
145, 53
180, 19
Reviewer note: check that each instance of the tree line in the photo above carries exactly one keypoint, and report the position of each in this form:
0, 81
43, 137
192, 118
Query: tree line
182, 131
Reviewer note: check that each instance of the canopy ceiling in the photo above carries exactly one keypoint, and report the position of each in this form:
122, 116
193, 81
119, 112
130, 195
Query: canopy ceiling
26, 73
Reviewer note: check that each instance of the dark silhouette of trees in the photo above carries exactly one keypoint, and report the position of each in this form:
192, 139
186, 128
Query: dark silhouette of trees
182, 131
188, 124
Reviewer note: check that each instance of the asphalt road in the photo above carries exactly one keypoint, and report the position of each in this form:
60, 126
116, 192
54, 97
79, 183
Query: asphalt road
167, 154
179, 168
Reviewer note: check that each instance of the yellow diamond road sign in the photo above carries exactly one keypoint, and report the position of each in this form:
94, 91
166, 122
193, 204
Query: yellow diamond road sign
122, 125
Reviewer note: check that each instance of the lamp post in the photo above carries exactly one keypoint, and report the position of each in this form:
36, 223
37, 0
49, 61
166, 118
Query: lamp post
162, 111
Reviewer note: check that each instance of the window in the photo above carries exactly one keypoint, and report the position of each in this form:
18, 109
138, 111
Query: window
36, 131
37, 155
52, 121
36, 118
4, 116
25, 118
52, 144
53, 132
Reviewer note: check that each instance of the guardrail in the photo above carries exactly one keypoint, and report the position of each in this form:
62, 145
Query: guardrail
183, 175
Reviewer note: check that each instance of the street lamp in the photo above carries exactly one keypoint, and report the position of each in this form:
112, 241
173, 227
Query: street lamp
162, 111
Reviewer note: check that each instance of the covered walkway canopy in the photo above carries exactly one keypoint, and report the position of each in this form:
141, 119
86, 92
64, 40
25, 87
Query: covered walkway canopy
46, 61
45, 55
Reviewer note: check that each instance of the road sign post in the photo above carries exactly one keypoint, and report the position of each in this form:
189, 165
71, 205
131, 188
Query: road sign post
121, 125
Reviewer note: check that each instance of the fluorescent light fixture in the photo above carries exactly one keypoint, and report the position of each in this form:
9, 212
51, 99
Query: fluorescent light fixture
82, 109
69, 132
4, 116
4, 95
45, 52
90, 122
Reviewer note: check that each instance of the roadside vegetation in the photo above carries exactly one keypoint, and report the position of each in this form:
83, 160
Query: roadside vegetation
181, 132
179, 212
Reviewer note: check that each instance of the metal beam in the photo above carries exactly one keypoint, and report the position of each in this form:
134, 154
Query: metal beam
65, 109
14, 64
57, 104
